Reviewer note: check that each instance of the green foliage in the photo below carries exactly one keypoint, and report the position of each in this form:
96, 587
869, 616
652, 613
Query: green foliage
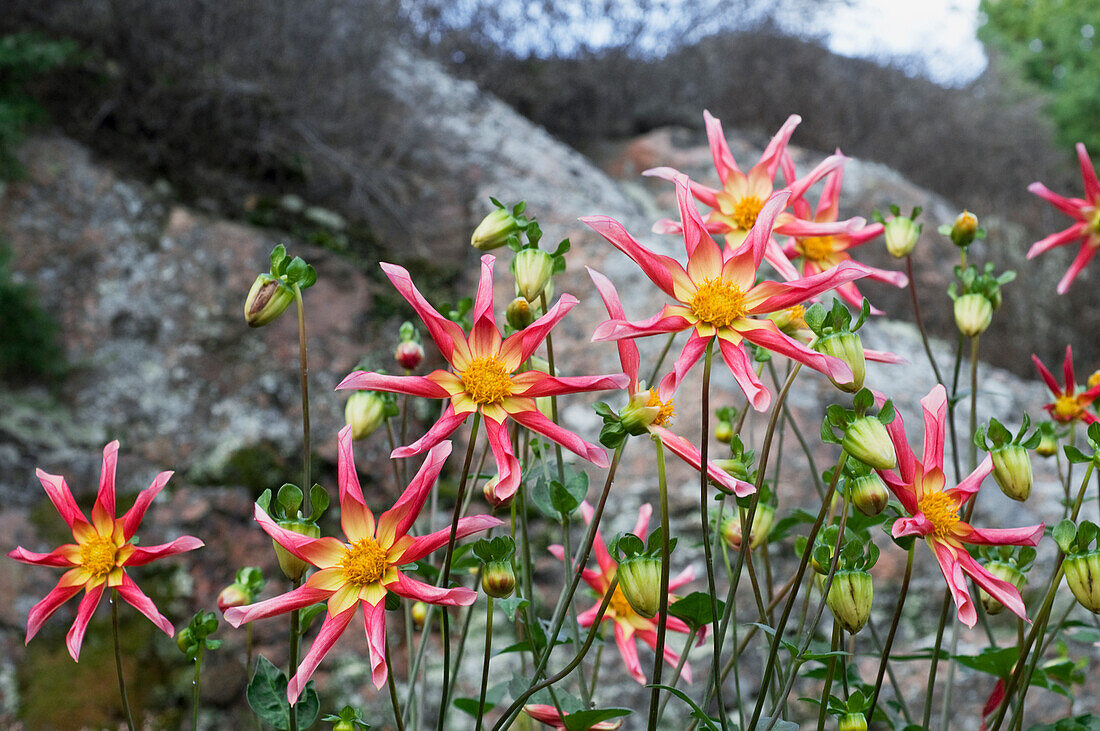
29, 349
1050, 43
267, 698
22, 57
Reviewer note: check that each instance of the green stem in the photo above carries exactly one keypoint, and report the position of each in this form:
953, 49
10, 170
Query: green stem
893, 631
660, 360
553, 399
485, 662
292, 658
662, 616
920, 323
931, 683
574, 625
834, 645
113, 599
393, 689
303, 372
973, 402
679, 669
195, 688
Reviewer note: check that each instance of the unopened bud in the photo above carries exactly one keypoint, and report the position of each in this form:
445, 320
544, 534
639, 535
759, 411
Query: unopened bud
849, 348
761, 526
640, 582
723, 431
866, 440
364, 412
852, 722
1005, 572
639, 413
901, 235
964, 229
419, 612
1083, 576
492, 495
733, 467
973, 313
792, 321
494, 230
869, 494
293, 567
184, 639
233, 595
532, 269
408, 354
1048, 443
498, 579
519, 313
268, 298
1012, 471
849, 599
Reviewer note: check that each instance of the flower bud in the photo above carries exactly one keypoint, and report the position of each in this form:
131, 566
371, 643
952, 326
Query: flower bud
849, 348
489, 490
1012, 471
498, 579
733, 467
1048, 443
901, 234
293, 567
1094, 379
973, 313
852, 722
866, 440
1005, 572
184, 639
640, 582
344, 725
723, 431
268, 298
408, 354
761, 526
1083, 576
533, 269
965, 229
494, 230
364, 412
519, 313
419, 612
869, 494
792, 321
233, 595
639, 413
849, 599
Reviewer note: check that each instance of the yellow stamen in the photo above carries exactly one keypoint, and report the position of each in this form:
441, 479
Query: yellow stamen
942, 512
97, 556
815, 248
364, 563
665, 414
718, 302
487, 380
619, 606
745, 211
1094, 379
1066, 408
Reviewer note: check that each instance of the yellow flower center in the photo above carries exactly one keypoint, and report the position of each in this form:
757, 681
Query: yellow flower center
664, 416
815, 248
745, 211
1066, 408
1094, 379
718, 302
364, 563
619, 606
942, 512
487, 380
97, 556
1094, 221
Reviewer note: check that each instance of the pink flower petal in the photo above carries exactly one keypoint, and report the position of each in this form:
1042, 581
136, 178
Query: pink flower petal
356, 519
410, 588
58, 492
769, 161
63, 556
133, 517
423, 545
1076, 232
657, 267
705, 195
628, 351
447, 335
508, 468
1046, 375
412, 385
689, 356
331, 629
948, 558
970, 484
629, 652
935, 411
668, 320
1088, 174
49, 604
448, 422
303, 596
320, 552
537, 422
743, 372
541, 384
103, 512
1069, 206
687, 451
144, 554
999, 589
521, 345
774, 296
129, 591
765, 334
1026, 536
374, 624
397, 521
1084, 256
75, 637
719, 149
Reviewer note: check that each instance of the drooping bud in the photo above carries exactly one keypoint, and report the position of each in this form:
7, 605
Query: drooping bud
973, 313
1083, 576
1012, 471
408, 354
761, 526
852, 722
494, 230
640, 582
869, 493
849, 348
364, 412
901, 234
1048, 441
519, 313
723, 431
419, 612
1005, 572
965, 229
866, 440
293, 567
268, 298
233, 595
532, 269
849, 599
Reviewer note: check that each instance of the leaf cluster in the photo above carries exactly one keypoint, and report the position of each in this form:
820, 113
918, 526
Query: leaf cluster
997, 436
289, 501
837, 319
837, 418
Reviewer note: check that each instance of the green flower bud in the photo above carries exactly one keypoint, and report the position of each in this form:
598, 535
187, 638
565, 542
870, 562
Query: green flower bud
293, 567
233, 595
519, 313
901, 235
849, 599
723, 431
1048, 443
640, 582
494, 230
343, 725
533, 269
364, 412
1012, 471
973, 313
852, 722
498, 579
761, 526
268, 298
849, 348
965, 229
419, 611
640, 412
1083, 576
185, 639
1005, 572
869, 494
866, 440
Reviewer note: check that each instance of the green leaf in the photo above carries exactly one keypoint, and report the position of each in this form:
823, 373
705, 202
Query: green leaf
998, 662
1075, 455
318, 502
1084, 722
296, 270
308, 614
309, 278
511, 605
308, 707
267, 695
278, 257
290, 498
1065, 534
695, 609
584, 720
